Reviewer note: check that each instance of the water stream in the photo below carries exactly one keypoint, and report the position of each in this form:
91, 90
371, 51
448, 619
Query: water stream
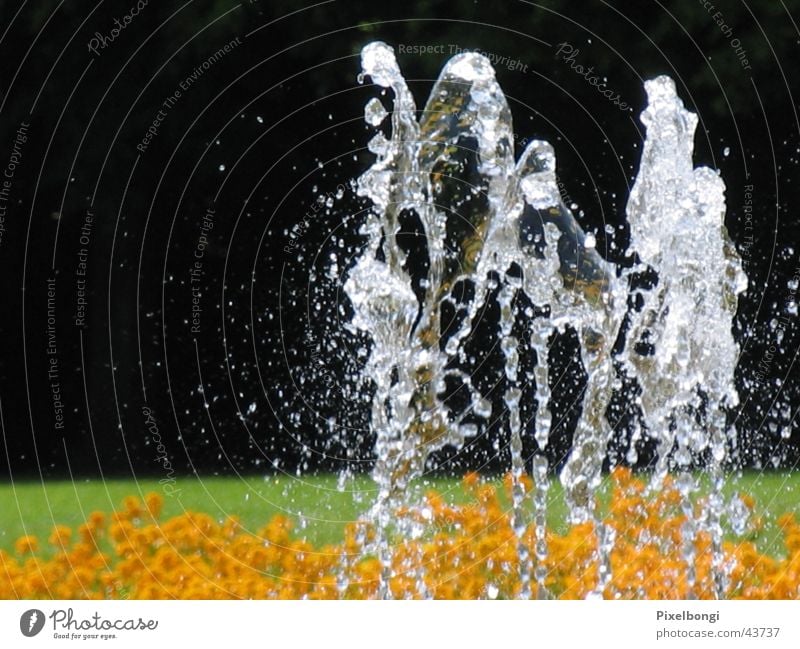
496, 228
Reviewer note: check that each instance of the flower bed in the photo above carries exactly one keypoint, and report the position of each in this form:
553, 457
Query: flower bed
469, 551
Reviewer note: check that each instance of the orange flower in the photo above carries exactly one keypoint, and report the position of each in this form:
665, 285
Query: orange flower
27, 545
154, 503
60, 536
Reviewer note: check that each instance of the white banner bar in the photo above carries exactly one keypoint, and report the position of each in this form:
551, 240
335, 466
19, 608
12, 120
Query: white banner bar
420, 625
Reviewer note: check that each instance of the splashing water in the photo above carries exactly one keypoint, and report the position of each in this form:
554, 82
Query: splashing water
496, 229
676, 213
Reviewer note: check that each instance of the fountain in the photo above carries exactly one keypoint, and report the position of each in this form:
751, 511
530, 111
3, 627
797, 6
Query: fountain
496, 227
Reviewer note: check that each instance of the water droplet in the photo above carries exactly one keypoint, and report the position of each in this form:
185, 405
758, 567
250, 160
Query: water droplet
374, 112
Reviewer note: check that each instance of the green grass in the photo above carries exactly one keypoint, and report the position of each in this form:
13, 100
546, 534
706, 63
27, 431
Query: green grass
775, 493
318, 504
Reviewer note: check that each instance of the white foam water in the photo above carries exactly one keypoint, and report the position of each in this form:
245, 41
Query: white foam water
499, 226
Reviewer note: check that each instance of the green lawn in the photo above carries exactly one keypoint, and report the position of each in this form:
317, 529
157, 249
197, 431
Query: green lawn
319, 504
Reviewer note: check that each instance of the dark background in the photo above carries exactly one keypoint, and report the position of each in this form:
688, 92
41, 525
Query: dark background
269, 380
